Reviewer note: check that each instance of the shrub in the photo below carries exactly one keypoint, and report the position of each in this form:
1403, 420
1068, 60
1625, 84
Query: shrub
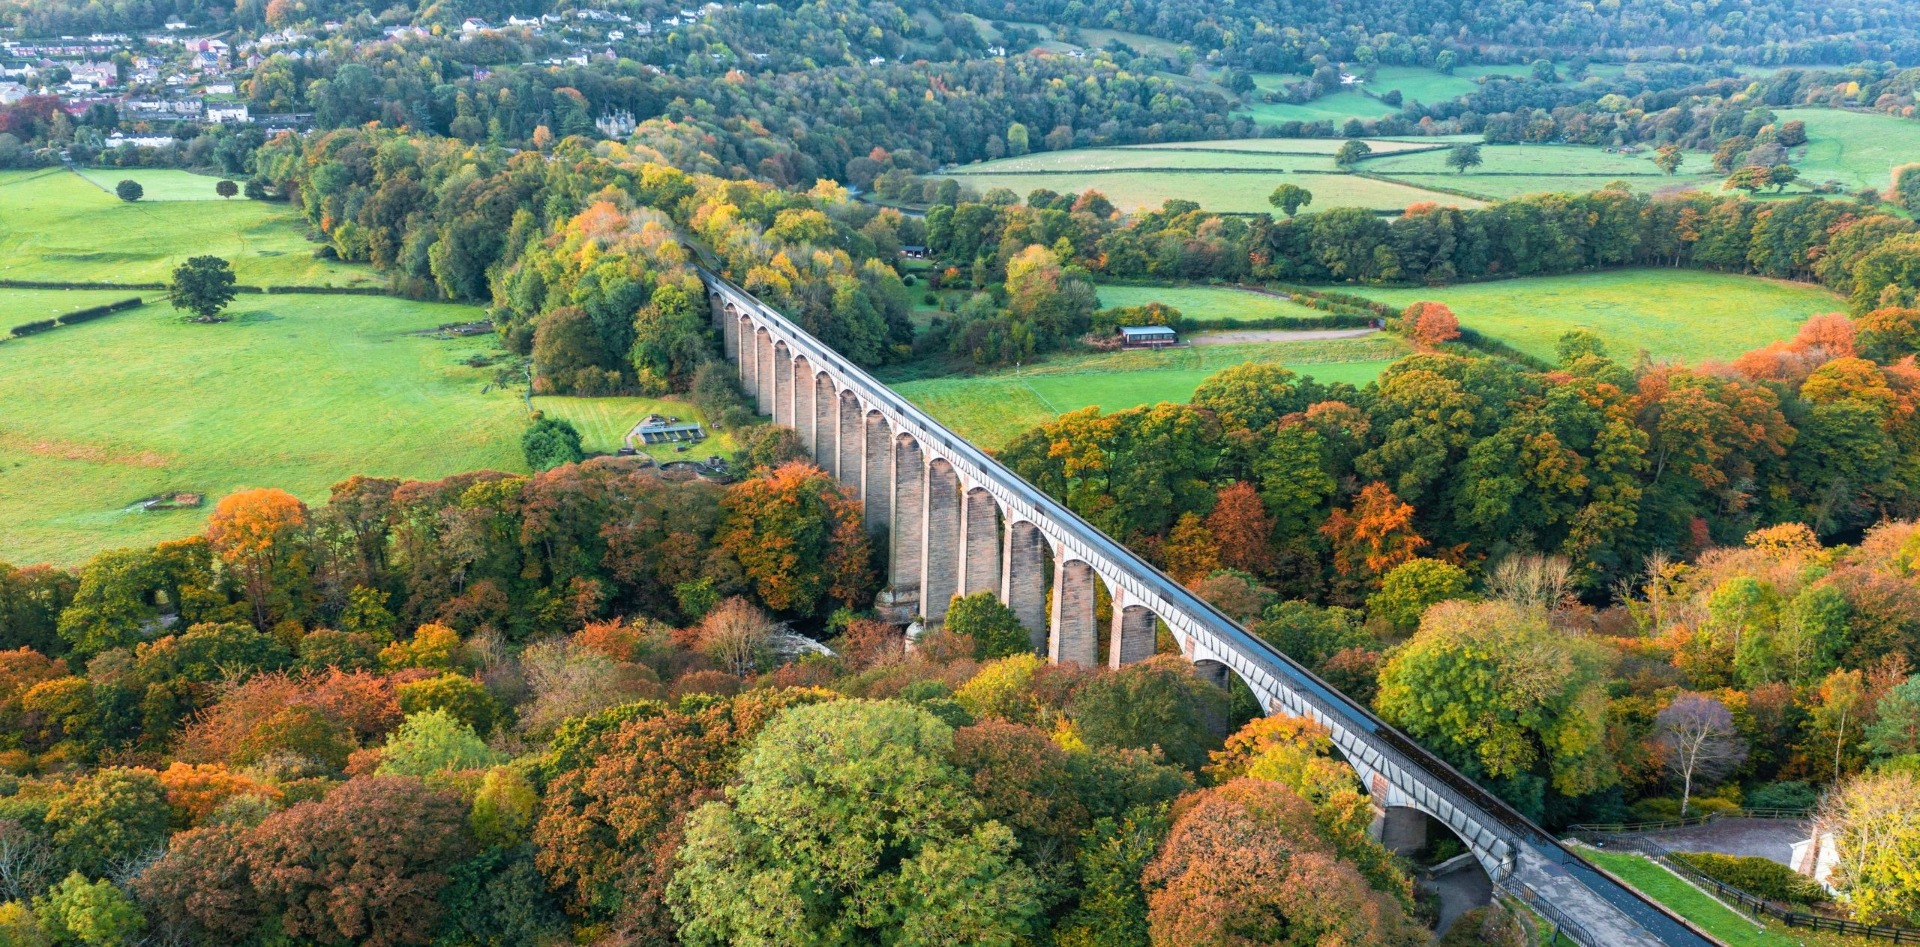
1790, 794
29, 328
551, 442
95, 312
1756, 876
129, 190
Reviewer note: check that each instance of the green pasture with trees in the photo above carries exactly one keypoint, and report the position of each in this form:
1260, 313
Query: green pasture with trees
1858, 149
161, 184
294, 391
1671, 314
58, 226
990, 409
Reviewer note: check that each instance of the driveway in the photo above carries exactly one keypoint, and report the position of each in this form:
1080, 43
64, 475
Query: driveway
1771, 839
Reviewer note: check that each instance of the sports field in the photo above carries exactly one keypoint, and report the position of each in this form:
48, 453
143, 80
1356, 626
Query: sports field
296, 392
1858, 149
161, 184
1671, 314
991, 409
57, 225
1209, 303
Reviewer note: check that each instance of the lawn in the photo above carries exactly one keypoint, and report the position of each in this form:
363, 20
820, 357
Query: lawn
1299, 146
1514, 170
603, 424
1111, 159
1858, 149
1207, 302
161, 184
56, 225
1710, 914
1687, 315
991, 409
297, 392
1218, 191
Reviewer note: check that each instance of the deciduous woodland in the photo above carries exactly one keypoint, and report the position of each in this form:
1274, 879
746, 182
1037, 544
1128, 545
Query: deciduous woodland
629, 697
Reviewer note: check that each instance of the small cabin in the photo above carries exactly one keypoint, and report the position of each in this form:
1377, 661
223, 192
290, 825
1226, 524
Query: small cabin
913, 251
1148, 337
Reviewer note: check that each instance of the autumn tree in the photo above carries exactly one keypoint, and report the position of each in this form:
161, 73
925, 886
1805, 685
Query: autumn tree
89, 914
1373, 536
1429, 324
1875, 826
1191, 552
363, 865
799, 538
1244, 863
259, 535
1242, 529
1668, 158
1698, 742
848, 816
737, 636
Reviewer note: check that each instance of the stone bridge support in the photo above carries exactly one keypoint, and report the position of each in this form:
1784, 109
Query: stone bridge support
877, 492
782, 385
980, 551
1075, 637
1133, 634
826, 424
909, 512
1023, 579
804, 390
940, 556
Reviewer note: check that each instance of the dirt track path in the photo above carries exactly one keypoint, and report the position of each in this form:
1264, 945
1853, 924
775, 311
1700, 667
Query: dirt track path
1234, 336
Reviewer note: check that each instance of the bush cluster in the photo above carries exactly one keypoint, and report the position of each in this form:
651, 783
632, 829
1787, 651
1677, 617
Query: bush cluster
95, 312
1759, 877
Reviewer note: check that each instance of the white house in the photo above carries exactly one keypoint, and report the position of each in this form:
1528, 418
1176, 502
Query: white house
1816, 858
225, 113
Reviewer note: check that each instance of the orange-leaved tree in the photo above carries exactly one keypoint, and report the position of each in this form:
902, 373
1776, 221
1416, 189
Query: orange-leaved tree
258, 534
1428, 324
799, 539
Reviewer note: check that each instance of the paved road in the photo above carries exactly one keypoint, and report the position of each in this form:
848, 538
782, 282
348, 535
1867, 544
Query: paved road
1461, 890
1236, 336
1771, 839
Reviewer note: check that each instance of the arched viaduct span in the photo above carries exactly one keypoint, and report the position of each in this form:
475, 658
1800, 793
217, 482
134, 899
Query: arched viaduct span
960, 523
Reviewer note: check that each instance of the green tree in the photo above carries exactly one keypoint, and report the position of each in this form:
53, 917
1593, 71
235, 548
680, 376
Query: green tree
1290, 198
1500, 693
203, 285
466, 699
1749, 179
848, 824
503, 808
1543, 71
1906, 187
1781, 175
82, 914
434, 743
551, 442
1463, 156
995, 629
129, 190
108, 819
1412, 586
226, 188
1896, 731
1351, 153
1157, 703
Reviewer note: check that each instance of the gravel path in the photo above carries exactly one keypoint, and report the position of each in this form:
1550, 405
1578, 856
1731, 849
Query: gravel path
1771, 839
1276, 335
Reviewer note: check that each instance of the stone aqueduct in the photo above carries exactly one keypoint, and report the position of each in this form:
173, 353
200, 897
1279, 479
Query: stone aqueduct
958, 522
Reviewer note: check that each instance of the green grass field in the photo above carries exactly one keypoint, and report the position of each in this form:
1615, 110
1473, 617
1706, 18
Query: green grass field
1207, 302
56, 225
604, 422
160, 184
1219, 191
297, 392
1515, 170
1297, 146
31, 305
1673, 314
1858, 149
1416, 84
991, 409
1710, 914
